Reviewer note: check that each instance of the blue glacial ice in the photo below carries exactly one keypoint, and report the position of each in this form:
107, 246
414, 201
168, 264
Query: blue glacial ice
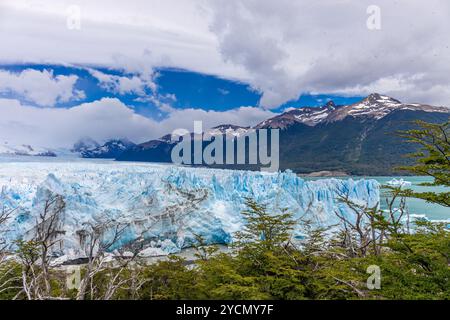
163, 204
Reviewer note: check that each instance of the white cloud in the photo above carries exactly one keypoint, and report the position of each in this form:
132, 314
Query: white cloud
134, 84
61, 127
290, 47
40, 87
243, 116
289, 109
105, 119
142, 84
282, 48
135, 35
223, 91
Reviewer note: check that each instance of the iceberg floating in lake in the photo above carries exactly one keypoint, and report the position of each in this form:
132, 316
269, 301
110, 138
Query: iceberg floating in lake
399, 183
165, 205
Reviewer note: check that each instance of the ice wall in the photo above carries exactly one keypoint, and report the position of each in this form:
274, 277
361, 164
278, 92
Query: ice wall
165, 205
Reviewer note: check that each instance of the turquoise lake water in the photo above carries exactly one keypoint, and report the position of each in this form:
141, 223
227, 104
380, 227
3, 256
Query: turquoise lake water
415, 206
418, 206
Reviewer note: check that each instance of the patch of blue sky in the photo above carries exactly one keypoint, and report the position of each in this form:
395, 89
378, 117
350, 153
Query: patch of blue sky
191, 89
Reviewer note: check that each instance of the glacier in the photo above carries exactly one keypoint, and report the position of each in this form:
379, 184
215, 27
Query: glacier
166, 205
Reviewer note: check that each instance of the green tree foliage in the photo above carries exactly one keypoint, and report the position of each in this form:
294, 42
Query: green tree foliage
264, 265
170, 280
10, 280
433, 159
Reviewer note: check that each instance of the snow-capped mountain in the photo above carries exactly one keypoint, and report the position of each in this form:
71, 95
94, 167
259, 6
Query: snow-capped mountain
84, 144
306, 115
378, 106
109, 150
85, 148
374, 106
25, 150
357, 139
228, 129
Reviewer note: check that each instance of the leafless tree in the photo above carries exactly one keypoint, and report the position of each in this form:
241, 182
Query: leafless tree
397, 211
35, 254
96, 244
4, 217
5, 214
8, 279
123, 274
48, 230
369, 227
359, 230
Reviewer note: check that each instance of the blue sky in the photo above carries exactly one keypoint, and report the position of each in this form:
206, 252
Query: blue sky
190, 90
56, 105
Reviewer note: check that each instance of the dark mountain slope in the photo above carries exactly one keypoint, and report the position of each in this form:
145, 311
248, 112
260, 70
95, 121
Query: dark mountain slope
357, 139
111, 149
358, 146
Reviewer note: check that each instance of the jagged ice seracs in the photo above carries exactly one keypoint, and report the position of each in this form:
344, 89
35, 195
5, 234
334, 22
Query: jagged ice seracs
165, 205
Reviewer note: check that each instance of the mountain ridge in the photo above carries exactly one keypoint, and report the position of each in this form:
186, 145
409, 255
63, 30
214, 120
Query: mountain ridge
374, 105
111, 149
356, 139
311, 136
